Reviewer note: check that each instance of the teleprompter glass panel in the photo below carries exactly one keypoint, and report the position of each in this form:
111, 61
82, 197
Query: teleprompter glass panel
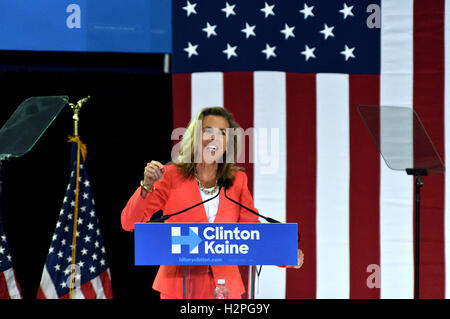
27, 124
401, 138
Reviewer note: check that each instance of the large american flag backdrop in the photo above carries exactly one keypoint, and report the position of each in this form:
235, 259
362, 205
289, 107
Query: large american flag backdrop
92, 275
303, 67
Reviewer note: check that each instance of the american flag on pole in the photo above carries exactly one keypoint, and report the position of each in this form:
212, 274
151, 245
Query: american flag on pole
88, 273
9, 287
300, 68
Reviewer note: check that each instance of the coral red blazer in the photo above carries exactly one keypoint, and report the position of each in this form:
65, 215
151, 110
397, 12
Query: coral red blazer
173, 193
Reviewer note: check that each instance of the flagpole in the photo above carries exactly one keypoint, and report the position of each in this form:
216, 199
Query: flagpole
76, 118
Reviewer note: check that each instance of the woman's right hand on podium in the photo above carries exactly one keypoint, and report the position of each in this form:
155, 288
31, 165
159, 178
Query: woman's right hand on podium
153, 172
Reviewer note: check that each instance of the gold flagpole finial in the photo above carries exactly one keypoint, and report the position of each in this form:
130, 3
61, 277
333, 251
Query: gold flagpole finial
76, 113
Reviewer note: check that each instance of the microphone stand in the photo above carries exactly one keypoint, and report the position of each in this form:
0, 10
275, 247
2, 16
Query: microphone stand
270, 220
251, 292
165, 217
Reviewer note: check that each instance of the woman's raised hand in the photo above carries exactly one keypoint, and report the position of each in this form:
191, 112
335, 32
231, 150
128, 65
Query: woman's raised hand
153, 172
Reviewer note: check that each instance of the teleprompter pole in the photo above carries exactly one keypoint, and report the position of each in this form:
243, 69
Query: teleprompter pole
417, 173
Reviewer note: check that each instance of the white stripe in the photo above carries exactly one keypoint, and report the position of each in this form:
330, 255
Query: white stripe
270, 165
396, 188
447, 149
206, 91
47, 286
98, 287
332, 188
78, 294
13, 291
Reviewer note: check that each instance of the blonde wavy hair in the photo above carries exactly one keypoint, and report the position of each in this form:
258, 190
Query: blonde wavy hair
188, 147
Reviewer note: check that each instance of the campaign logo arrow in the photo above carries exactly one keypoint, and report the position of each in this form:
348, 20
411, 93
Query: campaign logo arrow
193, 240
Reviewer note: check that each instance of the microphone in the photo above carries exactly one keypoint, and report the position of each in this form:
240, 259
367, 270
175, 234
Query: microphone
165, 217
226, 184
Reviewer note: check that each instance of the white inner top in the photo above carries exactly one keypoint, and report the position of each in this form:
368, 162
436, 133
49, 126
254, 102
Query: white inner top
212, 206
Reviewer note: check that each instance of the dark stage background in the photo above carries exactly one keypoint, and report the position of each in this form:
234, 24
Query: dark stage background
126, 123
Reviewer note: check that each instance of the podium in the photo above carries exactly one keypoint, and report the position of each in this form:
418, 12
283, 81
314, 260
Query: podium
195, 244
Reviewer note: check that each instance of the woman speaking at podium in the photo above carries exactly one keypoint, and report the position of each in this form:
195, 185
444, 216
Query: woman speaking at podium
208, 151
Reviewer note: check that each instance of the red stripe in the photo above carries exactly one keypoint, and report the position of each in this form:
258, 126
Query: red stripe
40, 294
106, 282
238, 99
428, 102
66, 296
301, 178
181, 100
88, 290
4, 292
364, 192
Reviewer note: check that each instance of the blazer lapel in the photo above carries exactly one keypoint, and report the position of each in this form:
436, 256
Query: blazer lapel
221, 216
200, 210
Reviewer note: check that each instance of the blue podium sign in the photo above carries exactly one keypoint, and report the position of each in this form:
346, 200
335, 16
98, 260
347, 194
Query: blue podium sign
215, 244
